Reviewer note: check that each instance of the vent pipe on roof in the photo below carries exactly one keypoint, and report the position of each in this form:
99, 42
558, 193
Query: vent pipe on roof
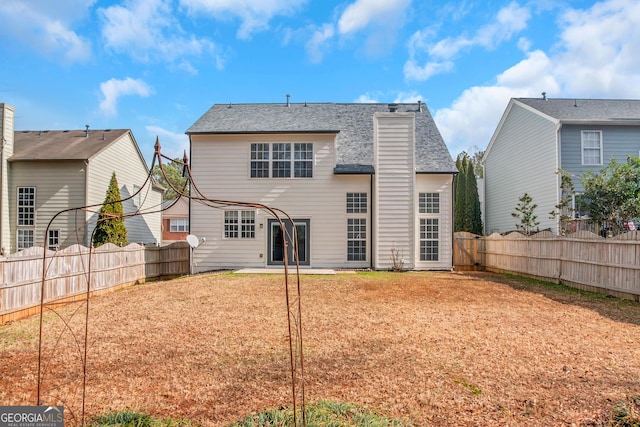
86, 131
288, 96
419, 106
575, 102
544, 96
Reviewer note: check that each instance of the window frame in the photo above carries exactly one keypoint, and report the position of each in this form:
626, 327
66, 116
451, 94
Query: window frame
583, 148
20, 231
356, 239
181, 225
26, 210
281, 160
429, 202
241, 227
357, 202
427, 237
53, 235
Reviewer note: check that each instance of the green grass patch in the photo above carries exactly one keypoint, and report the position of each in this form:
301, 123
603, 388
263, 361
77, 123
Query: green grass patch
626, 413
128, 418
324, 414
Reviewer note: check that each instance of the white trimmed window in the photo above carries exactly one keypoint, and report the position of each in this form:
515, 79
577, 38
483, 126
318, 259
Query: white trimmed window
356, 239
429, 202
178, 225
26, 205
239, 225
277, 161
25, 239
592, 147
356, 202
53, 240
429, 239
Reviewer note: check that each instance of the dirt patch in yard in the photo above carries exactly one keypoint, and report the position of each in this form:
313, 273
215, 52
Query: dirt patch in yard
437, 348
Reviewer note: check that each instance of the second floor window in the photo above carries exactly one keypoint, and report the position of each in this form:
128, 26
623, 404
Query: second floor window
26, 205
356, 202
282, 160
429, 202
592, 147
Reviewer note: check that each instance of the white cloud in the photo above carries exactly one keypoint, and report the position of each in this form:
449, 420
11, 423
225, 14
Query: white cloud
366, 99
362, 13
254, 14
172, 144
408, 98
599, 50
47, 27
509, 21
148, 31
113, 89
317, 45
474, 115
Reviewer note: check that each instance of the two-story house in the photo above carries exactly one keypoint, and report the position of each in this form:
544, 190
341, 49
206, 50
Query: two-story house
46, 172
367, 185
538, 136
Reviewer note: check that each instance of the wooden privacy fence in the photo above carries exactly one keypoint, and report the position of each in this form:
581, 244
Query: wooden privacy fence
583, 259
67, 273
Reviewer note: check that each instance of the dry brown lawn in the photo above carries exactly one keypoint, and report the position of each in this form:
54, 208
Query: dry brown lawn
437, 348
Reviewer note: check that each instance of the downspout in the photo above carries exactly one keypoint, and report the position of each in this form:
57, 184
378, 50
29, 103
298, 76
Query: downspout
371, 221
558, 178
86, 203
453, 232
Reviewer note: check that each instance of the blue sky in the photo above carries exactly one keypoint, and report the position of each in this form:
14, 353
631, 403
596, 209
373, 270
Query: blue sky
155, 66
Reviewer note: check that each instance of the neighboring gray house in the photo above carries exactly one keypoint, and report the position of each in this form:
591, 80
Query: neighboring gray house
359, 180
538, 136
45, 172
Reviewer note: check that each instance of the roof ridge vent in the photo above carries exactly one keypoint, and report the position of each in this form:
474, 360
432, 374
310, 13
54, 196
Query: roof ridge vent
393, 108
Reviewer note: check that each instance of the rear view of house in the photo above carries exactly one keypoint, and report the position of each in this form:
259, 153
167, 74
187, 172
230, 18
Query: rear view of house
45, 172
367, 185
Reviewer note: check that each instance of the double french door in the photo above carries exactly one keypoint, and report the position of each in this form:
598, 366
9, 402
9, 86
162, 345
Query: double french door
281, 244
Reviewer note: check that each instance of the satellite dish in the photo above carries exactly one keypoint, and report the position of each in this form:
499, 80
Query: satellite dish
193, 241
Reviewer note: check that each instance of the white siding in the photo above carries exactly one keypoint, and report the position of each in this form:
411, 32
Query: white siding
394, 142
59, 186
6, 151
441, 184
221, 169
123, 158
523, 158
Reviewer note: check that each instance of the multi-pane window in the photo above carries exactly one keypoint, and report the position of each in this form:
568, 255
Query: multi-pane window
53, 240
429, 239
591, 147
429, 202
356, 239
137, 199
25, 239
356, 202
239, 224
179, 225
277, 161
26, 205
259, 160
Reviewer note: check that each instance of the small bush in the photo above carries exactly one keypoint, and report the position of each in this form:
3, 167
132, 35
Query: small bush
128, 418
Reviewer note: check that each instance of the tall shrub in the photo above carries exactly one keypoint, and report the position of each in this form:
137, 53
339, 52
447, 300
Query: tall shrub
110, 227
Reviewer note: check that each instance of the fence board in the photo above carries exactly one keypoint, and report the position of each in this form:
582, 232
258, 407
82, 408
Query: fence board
67, 273
583, 259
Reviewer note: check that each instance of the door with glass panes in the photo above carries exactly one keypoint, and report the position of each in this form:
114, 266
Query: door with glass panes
279, 246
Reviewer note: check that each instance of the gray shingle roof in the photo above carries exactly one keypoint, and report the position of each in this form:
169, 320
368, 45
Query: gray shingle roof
62, 144
352, 124
587, 110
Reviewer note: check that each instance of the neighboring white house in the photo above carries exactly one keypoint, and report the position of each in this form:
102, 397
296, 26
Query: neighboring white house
361, 181
45, 172
538, 136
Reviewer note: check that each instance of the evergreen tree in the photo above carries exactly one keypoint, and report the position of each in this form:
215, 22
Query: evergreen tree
173, 171
110, 227
467, 214
473, 214
525, 212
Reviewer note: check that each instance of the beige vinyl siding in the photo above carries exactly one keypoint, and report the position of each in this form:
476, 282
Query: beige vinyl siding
123, 158
394, 142
59, 185
522, 159
6, 136
221, 169
441, 184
